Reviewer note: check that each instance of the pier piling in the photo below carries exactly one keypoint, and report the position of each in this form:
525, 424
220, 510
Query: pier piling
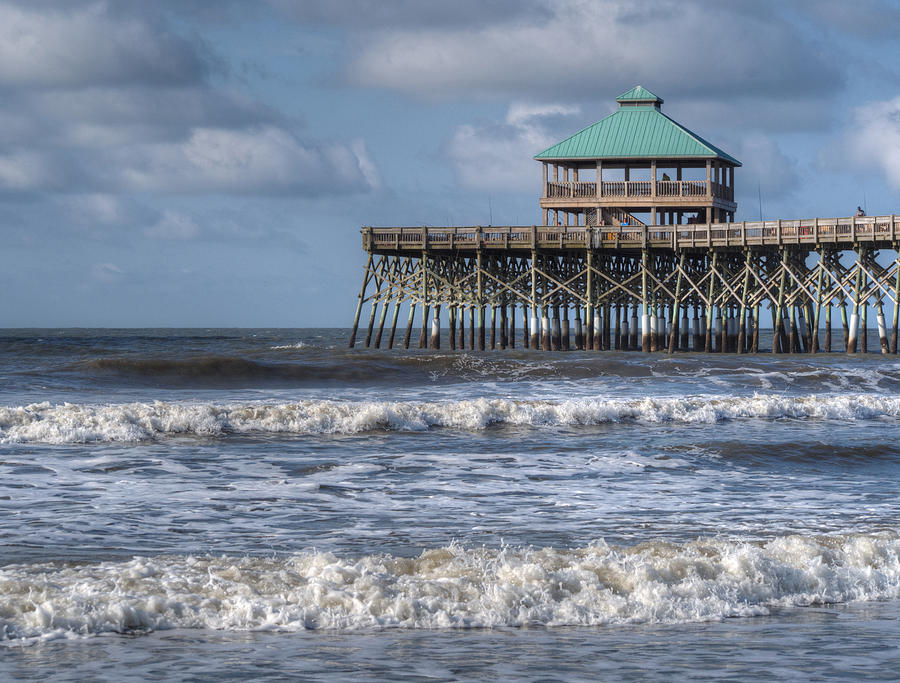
684, 293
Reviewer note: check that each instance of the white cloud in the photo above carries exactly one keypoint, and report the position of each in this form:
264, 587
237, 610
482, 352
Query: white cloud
104, 209
103, 117
103, 98
499, 156
25, 170
590, 46
85, 44
873, 140
263, 160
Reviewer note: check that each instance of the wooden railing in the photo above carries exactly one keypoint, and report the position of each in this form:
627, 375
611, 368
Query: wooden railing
563, 190
638, 188
681, 188
884, 230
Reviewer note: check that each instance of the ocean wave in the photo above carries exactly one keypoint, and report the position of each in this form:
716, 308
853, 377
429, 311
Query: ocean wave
88, 423
451, 587
302, 364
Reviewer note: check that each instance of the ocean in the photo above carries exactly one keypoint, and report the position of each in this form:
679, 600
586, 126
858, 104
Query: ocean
233, 504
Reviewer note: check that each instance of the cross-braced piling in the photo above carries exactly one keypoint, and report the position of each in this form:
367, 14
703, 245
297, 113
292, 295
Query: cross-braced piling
686, 287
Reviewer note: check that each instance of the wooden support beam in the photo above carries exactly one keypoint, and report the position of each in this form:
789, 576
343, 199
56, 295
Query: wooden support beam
677, 303
359, 303
896, 319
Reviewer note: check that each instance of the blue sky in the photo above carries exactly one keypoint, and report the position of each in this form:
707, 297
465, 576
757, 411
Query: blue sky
209, 163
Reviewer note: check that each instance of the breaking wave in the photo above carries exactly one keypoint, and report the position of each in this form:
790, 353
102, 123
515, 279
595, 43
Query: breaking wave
87, 423
451, 587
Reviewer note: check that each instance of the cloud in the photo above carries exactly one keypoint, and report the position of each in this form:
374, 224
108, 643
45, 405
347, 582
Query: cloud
766, 170
408, 13
264, 160
173, 226
104, 98
116, 220
99, 213
693, 47
259, 160
499, 156
98, 117
86, 44
873, 139
24, 170
871, 19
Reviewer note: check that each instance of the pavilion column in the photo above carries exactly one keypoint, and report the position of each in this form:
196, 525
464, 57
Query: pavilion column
544, 172
653, 178
599, 179
709, 177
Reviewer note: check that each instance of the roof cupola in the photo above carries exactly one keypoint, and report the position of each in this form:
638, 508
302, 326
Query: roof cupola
639, 96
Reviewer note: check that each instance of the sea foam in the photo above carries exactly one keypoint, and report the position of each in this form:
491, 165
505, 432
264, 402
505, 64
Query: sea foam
451, 587
86, 423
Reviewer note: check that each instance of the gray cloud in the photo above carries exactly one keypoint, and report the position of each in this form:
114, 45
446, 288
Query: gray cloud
84, 44
264, 160
414, 14
871, 19
745, 56
872, 141
103, 98
581, 46
499, 156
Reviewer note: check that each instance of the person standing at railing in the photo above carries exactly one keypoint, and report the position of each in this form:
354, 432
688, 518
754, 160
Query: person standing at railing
666, 177
860, 212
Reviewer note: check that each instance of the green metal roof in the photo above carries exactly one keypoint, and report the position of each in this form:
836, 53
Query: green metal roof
639, 94
636, 132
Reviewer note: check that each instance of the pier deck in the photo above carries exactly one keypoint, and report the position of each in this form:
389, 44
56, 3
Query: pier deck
881, 232
699, 287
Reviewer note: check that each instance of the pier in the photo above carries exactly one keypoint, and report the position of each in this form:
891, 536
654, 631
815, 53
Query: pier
628, 260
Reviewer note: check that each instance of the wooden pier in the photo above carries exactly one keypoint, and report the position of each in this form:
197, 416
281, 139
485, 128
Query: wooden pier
598, 277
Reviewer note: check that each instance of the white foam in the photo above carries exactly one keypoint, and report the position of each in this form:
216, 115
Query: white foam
282, 347
450, 587
85, 423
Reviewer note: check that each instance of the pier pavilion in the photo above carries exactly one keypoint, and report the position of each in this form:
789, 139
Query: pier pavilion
640, 146
628, 258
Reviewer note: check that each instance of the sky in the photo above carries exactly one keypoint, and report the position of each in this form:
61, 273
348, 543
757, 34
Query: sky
209, 163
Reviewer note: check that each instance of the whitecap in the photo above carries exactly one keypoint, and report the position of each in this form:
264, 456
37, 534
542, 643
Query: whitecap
450, 587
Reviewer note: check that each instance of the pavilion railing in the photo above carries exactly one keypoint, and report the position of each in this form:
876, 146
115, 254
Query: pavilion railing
637, 188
